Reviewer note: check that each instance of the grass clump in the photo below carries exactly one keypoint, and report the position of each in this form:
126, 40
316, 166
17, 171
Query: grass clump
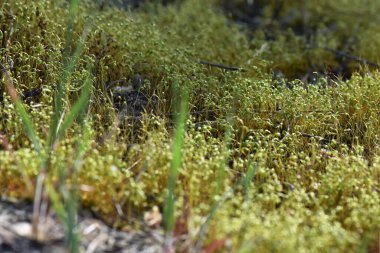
262, 162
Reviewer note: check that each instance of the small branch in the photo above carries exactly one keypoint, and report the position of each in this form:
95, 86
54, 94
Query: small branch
353, 57
221, 66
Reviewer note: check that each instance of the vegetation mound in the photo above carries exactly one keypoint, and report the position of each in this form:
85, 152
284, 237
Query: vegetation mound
250, 126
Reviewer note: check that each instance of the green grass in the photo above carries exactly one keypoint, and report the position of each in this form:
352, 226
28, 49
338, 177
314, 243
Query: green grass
64, 199
262, 164
169, 205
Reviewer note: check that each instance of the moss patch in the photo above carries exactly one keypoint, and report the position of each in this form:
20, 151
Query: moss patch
304, 116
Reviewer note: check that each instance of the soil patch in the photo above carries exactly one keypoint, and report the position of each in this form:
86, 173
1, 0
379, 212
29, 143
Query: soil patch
96, 236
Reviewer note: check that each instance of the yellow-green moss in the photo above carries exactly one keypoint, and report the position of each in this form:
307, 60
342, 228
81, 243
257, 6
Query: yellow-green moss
315, 147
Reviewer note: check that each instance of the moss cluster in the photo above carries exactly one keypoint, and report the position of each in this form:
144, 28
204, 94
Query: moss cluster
313, 145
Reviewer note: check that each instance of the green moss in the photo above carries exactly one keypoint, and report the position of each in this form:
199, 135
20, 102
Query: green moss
315, 147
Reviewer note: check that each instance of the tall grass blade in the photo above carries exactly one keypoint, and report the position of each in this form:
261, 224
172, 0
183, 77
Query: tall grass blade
26, 120
79, 106
175, 164
73, 12
72, 202
69, 64
28, 125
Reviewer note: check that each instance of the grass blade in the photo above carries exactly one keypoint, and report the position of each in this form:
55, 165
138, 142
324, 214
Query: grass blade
28, 125
73, 12
56, 201
175, 164
69, 63
79, 106
245, 181
26, 120
221, 172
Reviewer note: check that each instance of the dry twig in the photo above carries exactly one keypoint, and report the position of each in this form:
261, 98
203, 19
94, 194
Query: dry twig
221, 66
352, 57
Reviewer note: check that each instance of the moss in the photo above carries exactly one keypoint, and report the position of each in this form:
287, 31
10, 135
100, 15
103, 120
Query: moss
314, 144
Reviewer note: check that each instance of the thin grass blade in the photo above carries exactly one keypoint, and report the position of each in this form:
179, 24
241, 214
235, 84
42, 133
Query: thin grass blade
80, 106
69, 64
26, 120
247, 180
175, 164
218, 204
56, 201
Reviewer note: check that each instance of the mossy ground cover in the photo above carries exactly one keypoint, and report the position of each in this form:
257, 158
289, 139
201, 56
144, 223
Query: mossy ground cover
281, 155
